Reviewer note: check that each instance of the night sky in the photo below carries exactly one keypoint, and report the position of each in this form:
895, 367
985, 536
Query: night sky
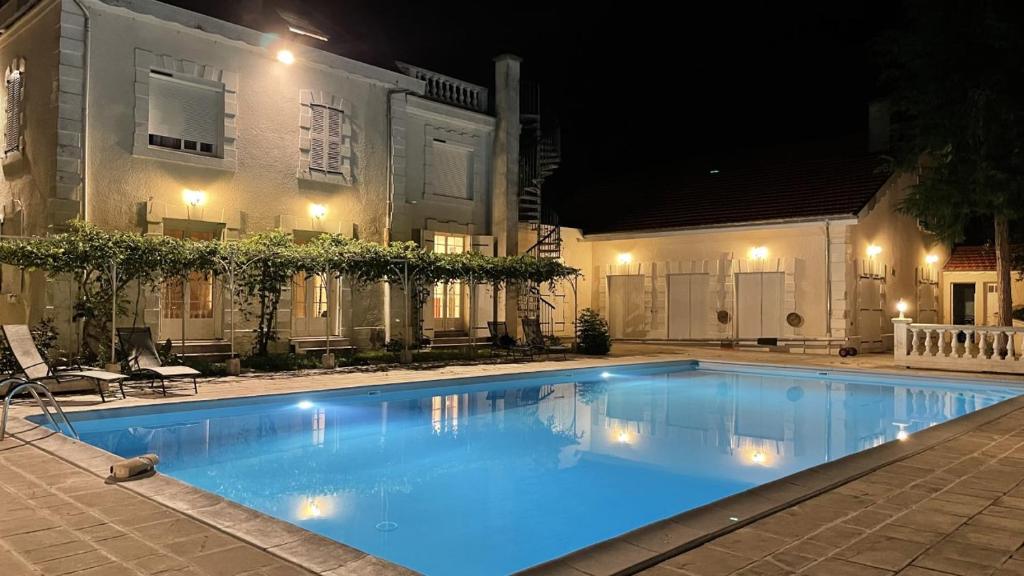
641, 90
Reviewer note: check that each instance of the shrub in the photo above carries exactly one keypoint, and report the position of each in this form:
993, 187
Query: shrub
279, 362
592, 333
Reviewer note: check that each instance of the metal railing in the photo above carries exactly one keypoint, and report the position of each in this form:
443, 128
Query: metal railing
34, 388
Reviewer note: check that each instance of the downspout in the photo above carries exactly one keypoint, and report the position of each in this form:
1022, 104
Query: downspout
388, 217
85, 104
828, 281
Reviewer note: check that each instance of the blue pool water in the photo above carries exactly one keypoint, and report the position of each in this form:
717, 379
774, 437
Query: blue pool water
491, 477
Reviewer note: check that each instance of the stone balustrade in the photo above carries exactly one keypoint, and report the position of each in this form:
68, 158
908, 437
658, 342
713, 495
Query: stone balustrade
447, 89
966, 348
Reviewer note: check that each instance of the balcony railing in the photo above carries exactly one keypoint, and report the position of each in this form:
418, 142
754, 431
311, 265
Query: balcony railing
448, 90
958, 347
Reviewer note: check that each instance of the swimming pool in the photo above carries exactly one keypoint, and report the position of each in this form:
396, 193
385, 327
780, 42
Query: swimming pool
492, 476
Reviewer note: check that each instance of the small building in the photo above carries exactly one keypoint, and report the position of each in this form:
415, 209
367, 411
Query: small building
806, 254
969, 288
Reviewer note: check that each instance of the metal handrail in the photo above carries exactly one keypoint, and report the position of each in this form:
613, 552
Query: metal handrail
34, 388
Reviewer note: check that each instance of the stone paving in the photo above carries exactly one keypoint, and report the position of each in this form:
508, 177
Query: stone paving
957, 508
56, 518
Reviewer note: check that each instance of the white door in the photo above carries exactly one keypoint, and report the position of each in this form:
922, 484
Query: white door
625, 306
991, 304
869, 310
687, 305
309, 305
449, 297
927, 304
190, 303
759, 304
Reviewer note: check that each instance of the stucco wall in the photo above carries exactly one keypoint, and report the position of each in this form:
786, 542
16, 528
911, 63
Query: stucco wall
796, 250
29, 178
980, 280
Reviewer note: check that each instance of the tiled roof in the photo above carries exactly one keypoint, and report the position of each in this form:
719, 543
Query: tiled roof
812, 189
974, 258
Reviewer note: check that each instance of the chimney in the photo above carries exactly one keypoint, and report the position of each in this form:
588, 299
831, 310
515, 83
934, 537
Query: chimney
878, 126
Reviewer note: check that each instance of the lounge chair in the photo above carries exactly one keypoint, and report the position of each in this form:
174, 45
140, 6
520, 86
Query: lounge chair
144, 359
35, 368
535, 339
502, 342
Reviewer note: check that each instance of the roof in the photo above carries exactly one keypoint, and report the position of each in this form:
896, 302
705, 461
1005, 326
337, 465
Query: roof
802, 190
974, 258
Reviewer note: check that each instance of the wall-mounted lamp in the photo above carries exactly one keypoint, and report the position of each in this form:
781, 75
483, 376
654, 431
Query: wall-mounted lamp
625, 258
194, 198
285, 57
874, 250
759, 253
901, 307
931, 259
317, 211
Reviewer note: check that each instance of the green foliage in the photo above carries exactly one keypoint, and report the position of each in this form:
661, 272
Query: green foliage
592, 333
279, 362
259, 266
956, 82
45, 337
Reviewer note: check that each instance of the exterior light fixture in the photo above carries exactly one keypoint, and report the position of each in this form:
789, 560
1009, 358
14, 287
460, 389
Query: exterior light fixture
901, 306
874, 250
758, 457
758, 253
606, 374
309, 33
623, 437
931, 258
713, 171
625, 258
194, 198
305, 405
317, 211
902, 433
285, 56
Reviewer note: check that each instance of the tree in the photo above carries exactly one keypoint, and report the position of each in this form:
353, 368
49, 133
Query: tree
955, 76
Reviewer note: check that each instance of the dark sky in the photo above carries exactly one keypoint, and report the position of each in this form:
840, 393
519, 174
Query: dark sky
642, 90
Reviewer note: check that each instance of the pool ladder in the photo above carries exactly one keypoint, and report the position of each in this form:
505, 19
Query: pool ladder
33, 388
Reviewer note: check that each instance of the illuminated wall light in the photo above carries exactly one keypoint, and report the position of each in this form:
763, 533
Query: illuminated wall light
931, 259
623, 437
194, 198
759, 253
874, 250
625, 258
758, 457
285, 56
317, 211
902, 433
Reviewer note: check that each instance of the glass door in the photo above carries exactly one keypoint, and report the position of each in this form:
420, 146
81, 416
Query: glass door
189, 303
309, 305
448, 296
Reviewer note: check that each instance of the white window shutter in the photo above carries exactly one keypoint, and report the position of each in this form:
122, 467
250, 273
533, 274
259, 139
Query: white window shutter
186, 110
317, 142
333, 140
12, 129
451, 170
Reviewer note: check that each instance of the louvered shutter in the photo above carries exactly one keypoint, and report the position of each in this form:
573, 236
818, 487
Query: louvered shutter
317, 137
451, 170
12, 130
333, 140
185, 110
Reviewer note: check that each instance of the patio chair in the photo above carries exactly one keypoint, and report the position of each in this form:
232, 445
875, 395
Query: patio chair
535, 339
35, 368
144, 359
502, 342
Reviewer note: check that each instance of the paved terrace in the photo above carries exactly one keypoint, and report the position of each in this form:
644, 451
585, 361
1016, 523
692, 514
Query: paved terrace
955, 508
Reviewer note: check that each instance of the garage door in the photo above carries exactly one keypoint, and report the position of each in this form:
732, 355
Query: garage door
759, 304
625, 306
687, 305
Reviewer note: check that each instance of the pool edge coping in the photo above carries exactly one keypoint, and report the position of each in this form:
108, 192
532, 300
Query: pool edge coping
306, 547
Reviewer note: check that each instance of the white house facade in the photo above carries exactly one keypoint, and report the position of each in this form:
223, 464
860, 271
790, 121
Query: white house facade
136, 115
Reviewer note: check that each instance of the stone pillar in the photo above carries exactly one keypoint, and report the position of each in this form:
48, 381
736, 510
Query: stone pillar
505, 183
900, 338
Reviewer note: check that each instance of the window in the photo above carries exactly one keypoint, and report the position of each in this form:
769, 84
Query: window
186, 114
451, 170
325, 139
12, 129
